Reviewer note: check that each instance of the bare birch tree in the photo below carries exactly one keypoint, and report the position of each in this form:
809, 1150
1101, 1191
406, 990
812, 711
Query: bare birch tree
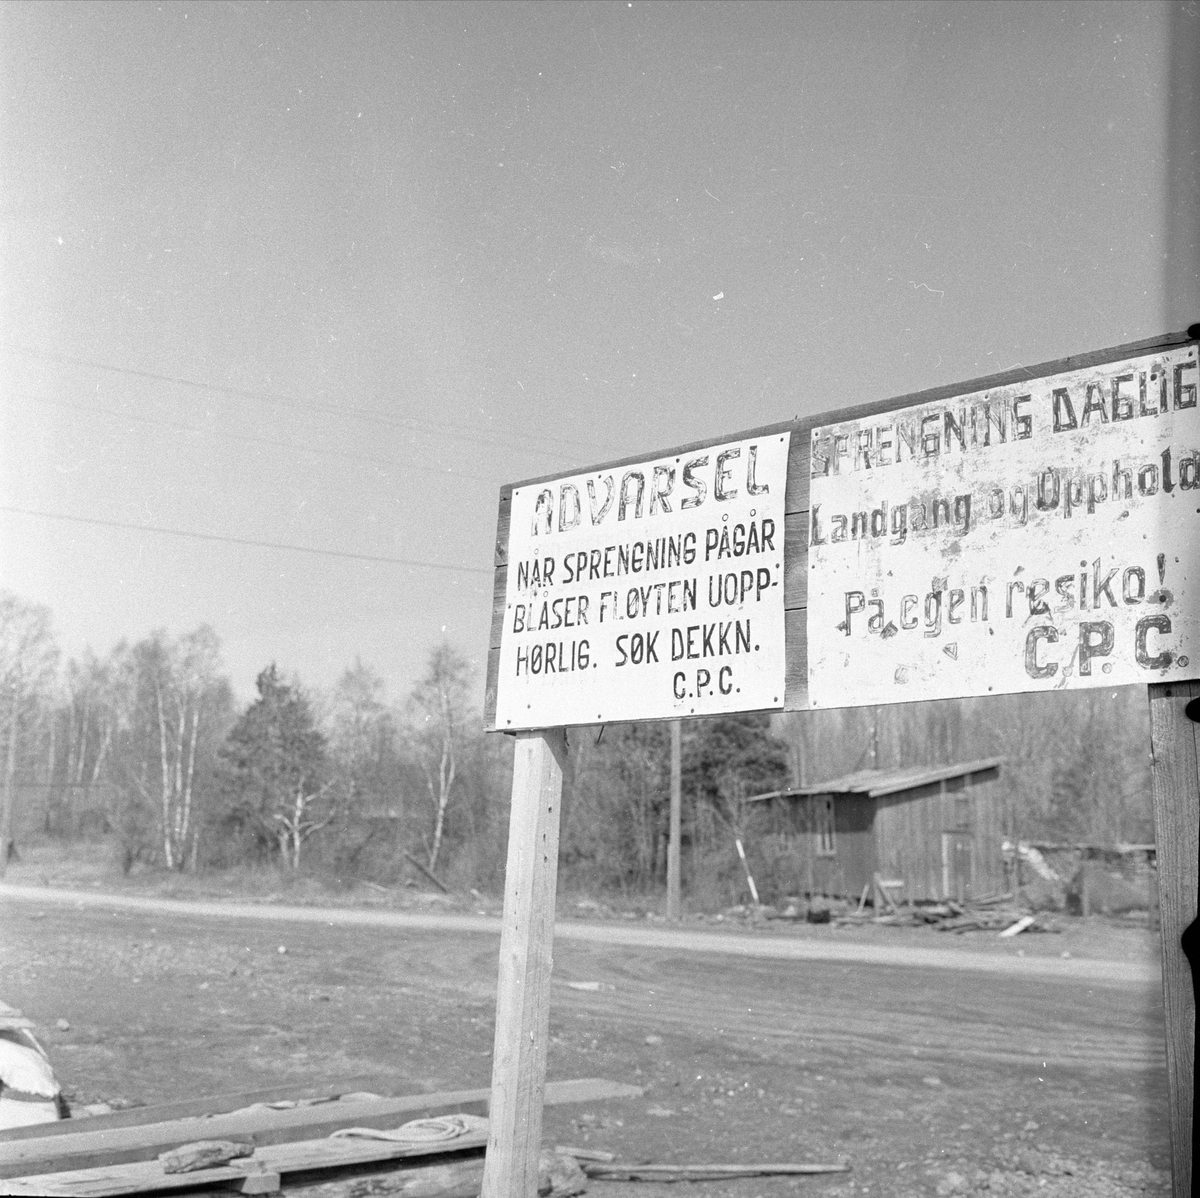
79, 732
439, 735
170, 706
362, 732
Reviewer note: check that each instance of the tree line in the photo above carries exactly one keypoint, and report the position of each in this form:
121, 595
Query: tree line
147, 747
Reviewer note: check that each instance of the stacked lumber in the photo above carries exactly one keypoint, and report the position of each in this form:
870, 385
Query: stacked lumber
261, 1172
279, 1139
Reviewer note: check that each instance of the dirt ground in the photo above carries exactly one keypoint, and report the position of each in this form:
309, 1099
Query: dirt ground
926, 1081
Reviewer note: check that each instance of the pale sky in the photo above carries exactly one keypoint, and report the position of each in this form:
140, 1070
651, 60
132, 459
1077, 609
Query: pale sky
328, 275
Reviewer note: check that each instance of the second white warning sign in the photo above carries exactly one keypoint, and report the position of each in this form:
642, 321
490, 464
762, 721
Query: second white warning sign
1040, 535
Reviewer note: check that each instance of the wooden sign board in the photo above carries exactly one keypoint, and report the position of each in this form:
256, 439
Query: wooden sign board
1039, 535
649, 590
1036, 563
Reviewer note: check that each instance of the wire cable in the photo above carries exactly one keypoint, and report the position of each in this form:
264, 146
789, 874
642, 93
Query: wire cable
208, 536
457, 432
247, 438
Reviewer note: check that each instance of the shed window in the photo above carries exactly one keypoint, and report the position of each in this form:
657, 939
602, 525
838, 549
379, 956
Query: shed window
823, 826
962, 813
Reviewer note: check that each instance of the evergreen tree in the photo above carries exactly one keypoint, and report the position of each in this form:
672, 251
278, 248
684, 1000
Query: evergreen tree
276, 770
731, 758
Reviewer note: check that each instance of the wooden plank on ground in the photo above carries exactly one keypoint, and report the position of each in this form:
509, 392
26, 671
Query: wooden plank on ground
142, 1177
220, 1104
121, 1145
273, 1161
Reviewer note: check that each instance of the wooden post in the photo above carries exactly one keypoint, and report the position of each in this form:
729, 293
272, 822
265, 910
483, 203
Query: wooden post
1176, 783
523, 990
676, 832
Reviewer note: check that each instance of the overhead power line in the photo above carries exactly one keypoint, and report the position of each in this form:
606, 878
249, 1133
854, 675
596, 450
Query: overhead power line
457, 432
250, 438
208, 536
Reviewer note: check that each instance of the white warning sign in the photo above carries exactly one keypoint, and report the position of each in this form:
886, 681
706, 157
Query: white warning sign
647, 590
1037, 536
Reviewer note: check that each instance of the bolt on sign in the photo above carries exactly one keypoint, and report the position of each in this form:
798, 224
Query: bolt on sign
650, 589
1039, 535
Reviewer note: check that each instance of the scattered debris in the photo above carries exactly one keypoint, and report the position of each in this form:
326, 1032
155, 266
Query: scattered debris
1022, 924
650, 1172
987, 913
203, 1154
560, 1175
426, 871
585, 1154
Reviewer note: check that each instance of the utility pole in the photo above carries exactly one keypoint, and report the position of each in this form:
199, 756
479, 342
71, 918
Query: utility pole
10, 762
675, 834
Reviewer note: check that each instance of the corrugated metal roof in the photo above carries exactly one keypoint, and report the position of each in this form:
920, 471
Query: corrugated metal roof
884, 782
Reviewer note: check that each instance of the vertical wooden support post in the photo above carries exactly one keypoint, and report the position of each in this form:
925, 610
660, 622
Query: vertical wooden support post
675, 836
1176, 774
526, 945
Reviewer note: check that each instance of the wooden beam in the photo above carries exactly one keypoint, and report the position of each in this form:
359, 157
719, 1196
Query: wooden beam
261, 1172
1175, 757
218, 1104
81, 1147
675, 832
526, 946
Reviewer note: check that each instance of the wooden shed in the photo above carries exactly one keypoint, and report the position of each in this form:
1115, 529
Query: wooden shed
938, 829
